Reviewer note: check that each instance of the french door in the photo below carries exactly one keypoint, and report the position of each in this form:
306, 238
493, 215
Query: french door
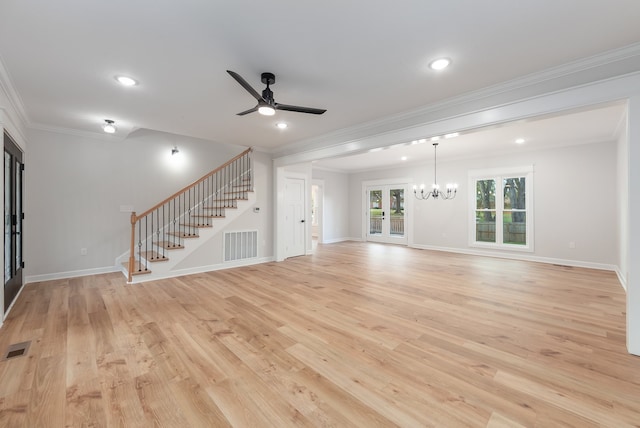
13, 217
386, 217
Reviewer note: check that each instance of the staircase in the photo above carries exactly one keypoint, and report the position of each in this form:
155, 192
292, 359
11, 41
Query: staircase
167, 233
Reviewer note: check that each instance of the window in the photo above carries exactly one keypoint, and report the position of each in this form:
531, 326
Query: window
501, 203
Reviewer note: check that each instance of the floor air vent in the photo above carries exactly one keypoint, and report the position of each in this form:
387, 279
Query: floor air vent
240, 245
16, 350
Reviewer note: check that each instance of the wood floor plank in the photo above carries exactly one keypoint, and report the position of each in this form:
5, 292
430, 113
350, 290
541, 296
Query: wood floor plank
47, 402
120, 398
357, 334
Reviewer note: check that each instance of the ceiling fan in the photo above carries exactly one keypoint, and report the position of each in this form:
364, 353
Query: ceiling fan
266, 104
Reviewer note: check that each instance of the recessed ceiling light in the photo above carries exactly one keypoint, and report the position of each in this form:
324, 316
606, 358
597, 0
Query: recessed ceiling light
520, 141
377, 149
422, 141
403, 158
440, 63
109, 126
126, 81
282, 125
436, 138
452, 135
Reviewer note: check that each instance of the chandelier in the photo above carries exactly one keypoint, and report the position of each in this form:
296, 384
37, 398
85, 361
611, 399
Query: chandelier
435, 192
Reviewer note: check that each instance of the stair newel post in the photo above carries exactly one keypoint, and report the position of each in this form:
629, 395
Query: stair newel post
133, 243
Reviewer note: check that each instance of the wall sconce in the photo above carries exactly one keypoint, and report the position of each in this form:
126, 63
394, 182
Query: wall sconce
109, 126
174, 150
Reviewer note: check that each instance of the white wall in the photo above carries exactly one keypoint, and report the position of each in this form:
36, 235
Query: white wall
335, 209
75, 186
633, 276
211, 252
574, 198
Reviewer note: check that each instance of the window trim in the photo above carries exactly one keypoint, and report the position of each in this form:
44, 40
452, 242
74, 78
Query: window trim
499, 174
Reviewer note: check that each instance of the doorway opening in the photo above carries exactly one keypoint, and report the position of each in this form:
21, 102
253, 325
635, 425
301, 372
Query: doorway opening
317, 196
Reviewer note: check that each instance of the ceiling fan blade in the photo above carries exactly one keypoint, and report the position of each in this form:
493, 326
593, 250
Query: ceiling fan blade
245, 85
251, 110
299, 109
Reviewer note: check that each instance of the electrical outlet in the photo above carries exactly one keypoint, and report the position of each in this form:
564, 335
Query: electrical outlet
572, 245
83, 251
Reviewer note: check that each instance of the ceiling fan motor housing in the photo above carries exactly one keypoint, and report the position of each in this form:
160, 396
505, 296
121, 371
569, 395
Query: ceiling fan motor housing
268, 78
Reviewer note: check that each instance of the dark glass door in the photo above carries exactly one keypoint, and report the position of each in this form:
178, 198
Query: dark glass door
13, 216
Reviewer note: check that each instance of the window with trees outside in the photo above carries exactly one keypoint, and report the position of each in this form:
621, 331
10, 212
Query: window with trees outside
501, 202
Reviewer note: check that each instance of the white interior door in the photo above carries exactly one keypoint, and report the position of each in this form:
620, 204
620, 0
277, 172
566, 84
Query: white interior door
295, 217
385, 214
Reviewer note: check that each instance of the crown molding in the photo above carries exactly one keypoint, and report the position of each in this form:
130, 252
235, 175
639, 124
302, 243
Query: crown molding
610, 64
6, 84
77, 132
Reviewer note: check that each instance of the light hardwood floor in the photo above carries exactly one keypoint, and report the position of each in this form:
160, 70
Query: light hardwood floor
356, 335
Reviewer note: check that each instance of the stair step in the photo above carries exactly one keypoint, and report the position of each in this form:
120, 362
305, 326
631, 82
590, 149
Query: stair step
137, 268
247, 187
167, 245
238, 192
154, 256
198, 225
207, 216
183, 235
221, 205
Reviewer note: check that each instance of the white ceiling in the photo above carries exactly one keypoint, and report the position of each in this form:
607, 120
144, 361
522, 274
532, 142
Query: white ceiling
361, 60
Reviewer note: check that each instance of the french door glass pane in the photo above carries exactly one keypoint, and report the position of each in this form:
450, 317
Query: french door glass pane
375, 212
396, 198
18, 187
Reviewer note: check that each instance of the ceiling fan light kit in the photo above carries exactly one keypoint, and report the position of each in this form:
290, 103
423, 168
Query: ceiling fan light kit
266, 103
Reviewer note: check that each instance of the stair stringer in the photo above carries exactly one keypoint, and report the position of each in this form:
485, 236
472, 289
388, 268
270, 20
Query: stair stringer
166, 269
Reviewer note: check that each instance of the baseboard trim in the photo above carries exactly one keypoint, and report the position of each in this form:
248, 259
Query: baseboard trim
336, 240
621, 278
523, 257
201, 269
71, 274
15, 299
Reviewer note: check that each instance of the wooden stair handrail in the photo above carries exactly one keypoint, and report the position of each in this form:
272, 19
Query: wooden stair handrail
184, 189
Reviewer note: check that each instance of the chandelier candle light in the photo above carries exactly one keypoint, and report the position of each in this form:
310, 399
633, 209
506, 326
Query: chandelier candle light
435, 192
